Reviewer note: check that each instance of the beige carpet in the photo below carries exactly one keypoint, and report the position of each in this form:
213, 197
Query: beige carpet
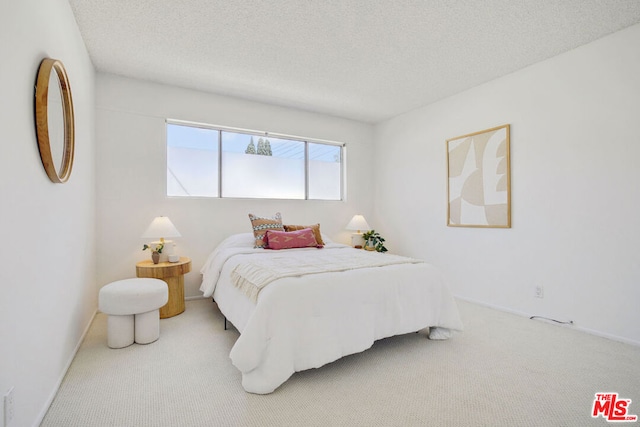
504, 370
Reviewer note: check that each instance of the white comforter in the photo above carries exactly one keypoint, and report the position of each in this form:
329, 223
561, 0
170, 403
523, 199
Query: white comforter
305, 322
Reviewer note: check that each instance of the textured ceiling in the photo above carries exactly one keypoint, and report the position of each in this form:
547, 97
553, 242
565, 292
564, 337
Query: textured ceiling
367, 60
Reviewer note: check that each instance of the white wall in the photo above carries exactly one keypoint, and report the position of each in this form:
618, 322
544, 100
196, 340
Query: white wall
131, 173
575, 147
47, 280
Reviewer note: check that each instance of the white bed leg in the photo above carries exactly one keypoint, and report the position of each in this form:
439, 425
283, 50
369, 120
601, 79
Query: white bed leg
439, 333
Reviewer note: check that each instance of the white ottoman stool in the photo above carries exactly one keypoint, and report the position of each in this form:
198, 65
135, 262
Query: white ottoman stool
133, 308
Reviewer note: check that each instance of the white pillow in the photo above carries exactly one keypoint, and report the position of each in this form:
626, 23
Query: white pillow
242, 240
326, 238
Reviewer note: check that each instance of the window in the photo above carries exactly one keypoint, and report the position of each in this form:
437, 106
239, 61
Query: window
217, 162
192, 161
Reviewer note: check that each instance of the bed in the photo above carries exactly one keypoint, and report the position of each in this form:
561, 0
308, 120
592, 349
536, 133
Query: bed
301, 321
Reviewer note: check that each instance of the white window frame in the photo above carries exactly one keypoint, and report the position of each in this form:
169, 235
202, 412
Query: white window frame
305, 140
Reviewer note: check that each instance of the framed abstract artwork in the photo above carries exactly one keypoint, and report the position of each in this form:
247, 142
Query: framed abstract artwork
478, 182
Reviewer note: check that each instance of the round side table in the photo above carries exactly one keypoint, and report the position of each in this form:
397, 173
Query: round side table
172, 273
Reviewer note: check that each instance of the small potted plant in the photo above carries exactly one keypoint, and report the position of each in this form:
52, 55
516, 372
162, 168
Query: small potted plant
155, 251
373, 241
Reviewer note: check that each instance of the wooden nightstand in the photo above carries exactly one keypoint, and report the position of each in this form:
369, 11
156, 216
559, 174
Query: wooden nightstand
172, 273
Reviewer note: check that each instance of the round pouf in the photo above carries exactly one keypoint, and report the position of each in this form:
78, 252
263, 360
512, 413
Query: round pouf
133, 308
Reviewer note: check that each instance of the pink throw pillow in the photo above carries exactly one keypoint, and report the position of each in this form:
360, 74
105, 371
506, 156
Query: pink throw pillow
291, 239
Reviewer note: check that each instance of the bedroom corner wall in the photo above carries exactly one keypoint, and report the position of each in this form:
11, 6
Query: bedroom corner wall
47, 279
131, 173
575, 194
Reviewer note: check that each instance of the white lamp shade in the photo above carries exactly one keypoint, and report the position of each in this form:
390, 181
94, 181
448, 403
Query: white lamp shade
358, 223
161, 227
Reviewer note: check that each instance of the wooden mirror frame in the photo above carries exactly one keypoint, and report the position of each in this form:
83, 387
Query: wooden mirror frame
42, 120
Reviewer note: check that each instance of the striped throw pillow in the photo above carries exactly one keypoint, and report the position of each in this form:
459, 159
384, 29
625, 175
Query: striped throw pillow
261, 224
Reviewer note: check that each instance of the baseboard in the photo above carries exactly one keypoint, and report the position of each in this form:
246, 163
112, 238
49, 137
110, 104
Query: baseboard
194, 298
495, 307
64, 371
573, 325
608, 336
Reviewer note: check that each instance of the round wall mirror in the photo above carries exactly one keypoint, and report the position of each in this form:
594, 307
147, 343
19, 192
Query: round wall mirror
54, 120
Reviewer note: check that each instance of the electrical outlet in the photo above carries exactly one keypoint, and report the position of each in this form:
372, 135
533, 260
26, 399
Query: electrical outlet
539, 291
8, 407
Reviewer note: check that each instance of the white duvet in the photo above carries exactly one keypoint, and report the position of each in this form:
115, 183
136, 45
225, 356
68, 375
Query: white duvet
305, 322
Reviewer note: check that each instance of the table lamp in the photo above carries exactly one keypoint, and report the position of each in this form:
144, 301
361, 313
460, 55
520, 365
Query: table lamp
160, 228
357, 223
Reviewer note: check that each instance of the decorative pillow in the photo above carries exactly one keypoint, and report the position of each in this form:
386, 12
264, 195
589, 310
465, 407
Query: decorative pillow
260, 226
291, 239
315, 228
